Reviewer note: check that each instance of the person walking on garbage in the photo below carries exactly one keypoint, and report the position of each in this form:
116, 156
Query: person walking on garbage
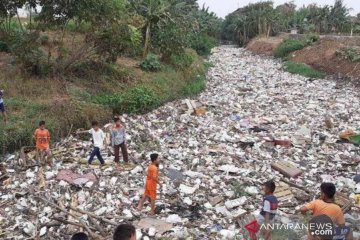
42, 138
118, 140
2, 106
326, 206
152, 180
268, 210
98, 137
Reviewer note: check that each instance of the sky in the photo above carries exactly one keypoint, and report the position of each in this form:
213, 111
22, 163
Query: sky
224, 7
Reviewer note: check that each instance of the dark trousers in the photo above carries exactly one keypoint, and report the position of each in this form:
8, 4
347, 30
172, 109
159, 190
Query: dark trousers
123, 151
96, 152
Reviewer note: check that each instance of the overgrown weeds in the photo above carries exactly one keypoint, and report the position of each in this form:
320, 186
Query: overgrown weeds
203, 44
60, 116
288, 46
151, 63
349, 53
134, 100
291, 45
182, 61
303, 69
194, 86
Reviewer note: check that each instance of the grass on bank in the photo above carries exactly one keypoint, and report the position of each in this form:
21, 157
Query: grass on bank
291, 45
91, 95
303, 70
156, 88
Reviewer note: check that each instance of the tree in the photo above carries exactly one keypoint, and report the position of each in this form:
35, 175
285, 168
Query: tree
9, 9
153, 11
339, 16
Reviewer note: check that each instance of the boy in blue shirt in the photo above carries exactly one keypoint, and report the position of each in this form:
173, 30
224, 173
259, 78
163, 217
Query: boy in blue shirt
268, 210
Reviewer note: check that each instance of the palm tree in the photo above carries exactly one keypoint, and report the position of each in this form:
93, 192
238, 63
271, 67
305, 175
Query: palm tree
153, 12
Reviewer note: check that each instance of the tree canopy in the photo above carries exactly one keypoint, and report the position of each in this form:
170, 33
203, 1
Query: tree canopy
264, 19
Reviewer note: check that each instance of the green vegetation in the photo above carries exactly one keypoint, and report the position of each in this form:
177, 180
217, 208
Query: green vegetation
151, 63
69, 64
203, 44
263, 18
169, 84
182, 61
194, 86
135, 100
288, 46
349, 53
303, 69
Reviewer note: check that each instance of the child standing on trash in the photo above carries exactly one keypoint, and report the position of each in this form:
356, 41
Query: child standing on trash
2, 106
42, 139
118, 138
268, 210
98, 137
152, 180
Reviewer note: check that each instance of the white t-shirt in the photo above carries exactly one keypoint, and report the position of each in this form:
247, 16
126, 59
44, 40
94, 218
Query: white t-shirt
98, 137
266, 206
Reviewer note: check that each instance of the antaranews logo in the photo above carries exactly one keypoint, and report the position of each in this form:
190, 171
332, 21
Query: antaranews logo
322, 226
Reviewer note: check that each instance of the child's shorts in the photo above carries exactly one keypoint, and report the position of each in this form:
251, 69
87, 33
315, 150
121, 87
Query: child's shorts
2, 107
261, 220
150, 193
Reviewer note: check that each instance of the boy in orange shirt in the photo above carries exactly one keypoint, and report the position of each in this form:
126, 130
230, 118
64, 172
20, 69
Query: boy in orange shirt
42, 137
326, 206
152, 180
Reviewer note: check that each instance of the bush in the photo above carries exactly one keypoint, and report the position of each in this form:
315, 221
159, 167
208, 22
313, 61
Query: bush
182, 61
203, 44
349, 53
114, 101
135, 100
311, 38
44, 39
116, 40
171, 38
194, 86
288, 46
26, 49
82, 27
3, 46
151, 63
140, 99
303, 69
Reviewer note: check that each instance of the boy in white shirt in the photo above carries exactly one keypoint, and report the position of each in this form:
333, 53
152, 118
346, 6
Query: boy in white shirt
98, 137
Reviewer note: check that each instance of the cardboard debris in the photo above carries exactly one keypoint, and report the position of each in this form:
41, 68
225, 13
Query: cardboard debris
71, 177
346, 134
343, 201
284, 193
194, 107
287, 169
160, 226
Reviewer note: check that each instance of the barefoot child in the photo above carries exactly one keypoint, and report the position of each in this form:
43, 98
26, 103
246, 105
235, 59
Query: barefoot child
42, 138
152, 180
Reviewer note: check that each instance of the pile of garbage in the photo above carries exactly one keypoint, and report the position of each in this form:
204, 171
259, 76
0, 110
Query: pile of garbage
253, 123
